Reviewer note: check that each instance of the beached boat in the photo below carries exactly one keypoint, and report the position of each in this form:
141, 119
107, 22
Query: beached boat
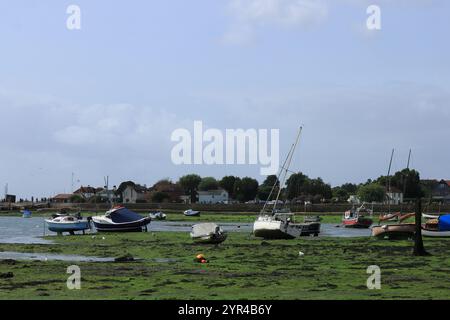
437, 227
67, 223
280, 224
191, 213
208, 233
158, 215
394, 231
358, 218
121, 219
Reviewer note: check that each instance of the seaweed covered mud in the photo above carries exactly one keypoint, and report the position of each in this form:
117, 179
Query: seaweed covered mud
163, 265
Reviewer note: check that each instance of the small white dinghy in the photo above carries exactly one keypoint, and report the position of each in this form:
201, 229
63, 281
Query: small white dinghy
159, 215
191, 213
208, 233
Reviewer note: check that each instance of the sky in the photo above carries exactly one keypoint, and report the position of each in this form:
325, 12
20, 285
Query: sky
103, 100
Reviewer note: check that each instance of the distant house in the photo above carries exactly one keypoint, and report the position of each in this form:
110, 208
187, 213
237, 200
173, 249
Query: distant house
442, 191
130, 192
213, 196
107, 195
353, 199
172, 190
394, 196
10, 198
87, 192
61, 198
185, 199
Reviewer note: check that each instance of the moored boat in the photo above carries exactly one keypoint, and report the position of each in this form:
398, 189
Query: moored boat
67, 223
208, 233
26, 214
437, 227
394, 231
191, 213
121, 219
158, 215
357, 218
280, 224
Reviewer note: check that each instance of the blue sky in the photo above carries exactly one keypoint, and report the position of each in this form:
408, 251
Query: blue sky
103, 100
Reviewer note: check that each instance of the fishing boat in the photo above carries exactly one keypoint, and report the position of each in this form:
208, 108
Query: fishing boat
158, 215
26, 214
67, 223
437, 227
191, 213
208, 233
358, 217
280, 224
121, 219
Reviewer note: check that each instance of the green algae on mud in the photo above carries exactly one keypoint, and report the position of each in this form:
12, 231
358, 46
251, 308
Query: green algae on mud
241, 268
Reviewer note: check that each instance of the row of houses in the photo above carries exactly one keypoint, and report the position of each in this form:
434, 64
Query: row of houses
438, 191
130, 192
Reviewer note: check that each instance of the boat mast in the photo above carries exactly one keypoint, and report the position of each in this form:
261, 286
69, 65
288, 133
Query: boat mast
404, 180
389, 182
278, 179
286, 169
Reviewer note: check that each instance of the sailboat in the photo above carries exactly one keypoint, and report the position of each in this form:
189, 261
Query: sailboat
398, 230
280, 224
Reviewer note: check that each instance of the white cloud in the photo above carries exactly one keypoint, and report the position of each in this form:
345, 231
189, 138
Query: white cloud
249, 15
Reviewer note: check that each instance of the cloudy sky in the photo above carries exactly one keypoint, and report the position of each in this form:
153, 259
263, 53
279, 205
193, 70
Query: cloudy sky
104, 100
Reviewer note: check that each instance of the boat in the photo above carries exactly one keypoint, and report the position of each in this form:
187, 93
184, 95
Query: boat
280, 224
394, 231
312, 219
121, 219
158, 215
67, 223
208, 233
26, 214
358, 217
191, 213
437, 227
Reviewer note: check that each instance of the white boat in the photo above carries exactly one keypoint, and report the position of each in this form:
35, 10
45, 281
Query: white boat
191, 213
435, 233
67, 223
277, 224
159, 215
208, 233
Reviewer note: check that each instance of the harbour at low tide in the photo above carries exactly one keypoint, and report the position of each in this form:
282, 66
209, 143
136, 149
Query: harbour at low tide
32, 230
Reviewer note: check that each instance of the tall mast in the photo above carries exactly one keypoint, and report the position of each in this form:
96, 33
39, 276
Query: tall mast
286, 169
409, 159
278, 179
389, 181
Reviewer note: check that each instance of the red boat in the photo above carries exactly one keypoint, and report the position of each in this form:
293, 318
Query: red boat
357, 218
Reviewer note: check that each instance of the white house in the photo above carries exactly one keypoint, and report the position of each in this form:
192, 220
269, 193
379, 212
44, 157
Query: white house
213, 196
131, 192
394, 196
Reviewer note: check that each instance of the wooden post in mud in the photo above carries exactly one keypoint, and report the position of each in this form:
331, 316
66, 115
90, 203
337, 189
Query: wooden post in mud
419, 249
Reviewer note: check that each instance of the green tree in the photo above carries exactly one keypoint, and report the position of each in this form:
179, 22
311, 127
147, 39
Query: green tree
227, 183
76, 198
247, 189
208, 183
159, 197
190, 184
297, 184
371, 193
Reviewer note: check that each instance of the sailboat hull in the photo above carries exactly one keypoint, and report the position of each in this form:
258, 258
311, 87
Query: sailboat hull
273, 229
